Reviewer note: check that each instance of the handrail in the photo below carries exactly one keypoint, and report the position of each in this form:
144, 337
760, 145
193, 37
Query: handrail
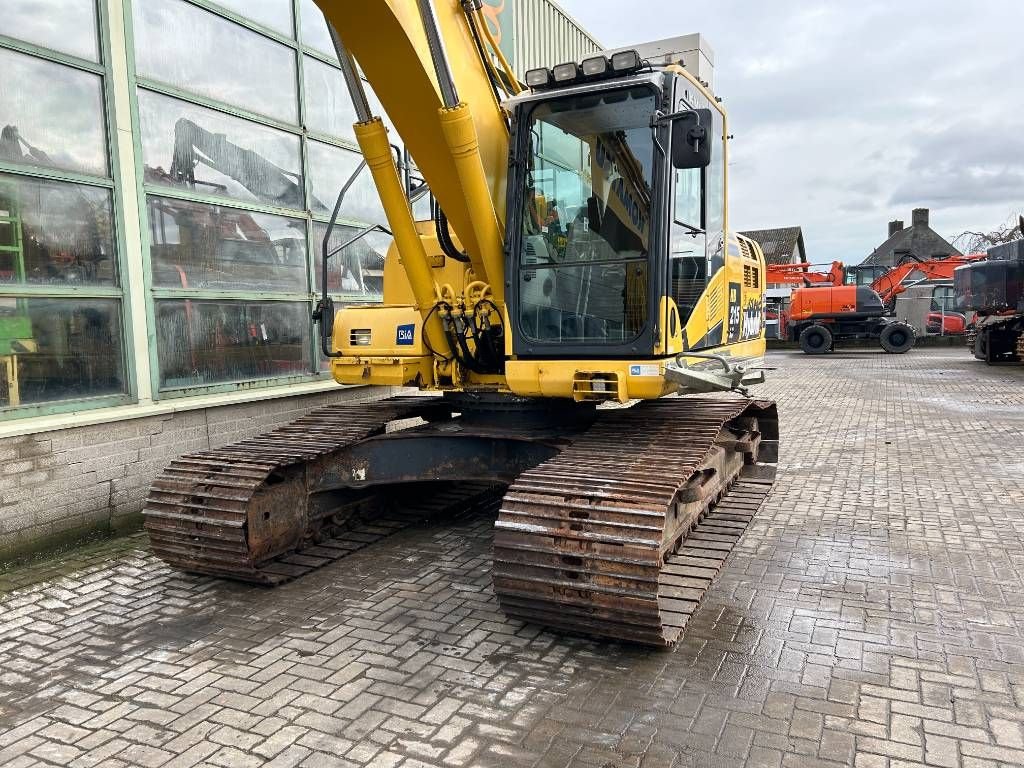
323, 314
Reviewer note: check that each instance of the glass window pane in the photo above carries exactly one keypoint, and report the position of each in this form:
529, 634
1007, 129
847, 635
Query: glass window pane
55, 233
59, 349
688, 197
275, 14
194, 245
193, 49
184, 145
561, 147
328, 106
421, 208
615, 309
51, 115
357, 272
64, 25
329, 169
203, 342
716, 179
314, 28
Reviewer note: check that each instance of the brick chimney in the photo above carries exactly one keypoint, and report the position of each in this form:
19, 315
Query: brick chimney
895, 226
920, 217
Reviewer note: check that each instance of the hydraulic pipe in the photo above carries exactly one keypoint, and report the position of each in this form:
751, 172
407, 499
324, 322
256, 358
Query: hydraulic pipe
445, 80
464, 145
510, 75
355, 83
373, 141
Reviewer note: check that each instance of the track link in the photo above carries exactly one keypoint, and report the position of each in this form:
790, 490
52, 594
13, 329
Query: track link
618, 535
243, 511
621, 534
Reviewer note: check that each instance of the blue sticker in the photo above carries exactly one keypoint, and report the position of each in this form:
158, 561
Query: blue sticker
634, 370
406, 336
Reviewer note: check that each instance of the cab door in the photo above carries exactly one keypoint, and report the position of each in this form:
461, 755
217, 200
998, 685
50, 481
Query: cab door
719, 305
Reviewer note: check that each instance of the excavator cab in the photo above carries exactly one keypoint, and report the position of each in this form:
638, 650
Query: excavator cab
635, 156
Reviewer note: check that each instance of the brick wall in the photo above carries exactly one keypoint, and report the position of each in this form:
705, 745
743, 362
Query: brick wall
55, 486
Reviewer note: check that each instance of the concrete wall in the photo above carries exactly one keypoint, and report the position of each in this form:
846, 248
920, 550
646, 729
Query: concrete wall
61, 485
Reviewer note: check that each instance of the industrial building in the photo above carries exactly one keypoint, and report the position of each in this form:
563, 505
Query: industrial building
167, 170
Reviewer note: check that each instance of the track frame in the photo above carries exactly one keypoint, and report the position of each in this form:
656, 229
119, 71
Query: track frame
600, 529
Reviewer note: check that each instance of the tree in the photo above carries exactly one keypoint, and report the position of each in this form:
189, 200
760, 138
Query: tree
978, 242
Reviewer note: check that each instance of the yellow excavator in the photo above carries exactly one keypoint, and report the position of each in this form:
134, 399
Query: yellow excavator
577, 318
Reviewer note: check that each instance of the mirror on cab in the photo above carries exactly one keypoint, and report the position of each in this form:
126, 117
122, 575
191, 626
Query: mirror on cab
691, 139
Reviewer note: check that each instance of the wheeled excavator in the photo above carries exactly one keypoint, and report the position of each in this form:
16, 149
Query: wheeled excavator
827, 308
578, 319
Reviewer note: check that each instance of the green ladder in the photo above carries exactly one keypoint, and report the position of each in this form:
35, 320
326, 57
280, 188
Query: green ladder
15, 328
11, 219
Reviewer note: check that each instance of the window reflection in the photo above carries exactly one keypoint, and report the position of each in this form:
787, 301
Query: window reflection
329, 168
358, 271
202, 342
51, 116
198, 246
377, 109
55, 233
193, 49
68, 26
583, 267
276, 14
688, 206
328, 106
184, 145
59, 349
314, 28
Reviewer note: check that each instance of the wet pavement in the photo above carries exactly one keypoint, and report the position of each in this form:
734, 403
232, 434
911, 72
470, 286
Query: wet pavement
872, 616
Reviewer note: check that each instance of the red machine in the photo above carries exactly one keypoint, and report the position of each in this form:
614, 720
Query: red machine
800, 274
824, 309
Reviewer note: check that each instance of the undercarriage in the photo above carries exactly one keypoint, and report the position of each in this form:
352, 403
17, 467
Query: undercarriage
612, 521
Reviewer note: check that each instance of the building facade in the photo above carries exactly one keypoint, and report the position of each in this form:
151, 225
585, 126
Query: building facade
918, 240
782, 245
167, 172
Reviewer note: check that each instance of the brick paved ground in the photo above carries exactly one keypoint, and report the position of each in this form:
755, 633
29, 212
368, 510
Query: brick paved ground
872, 616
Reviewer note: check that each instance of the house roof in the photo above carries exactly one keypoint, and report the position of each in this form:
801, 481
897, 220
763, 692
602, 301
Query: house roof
779, 244
918, 239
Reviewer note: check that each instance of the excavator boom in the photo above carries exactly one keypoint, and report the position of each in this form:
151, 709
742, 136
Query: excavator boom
891, 284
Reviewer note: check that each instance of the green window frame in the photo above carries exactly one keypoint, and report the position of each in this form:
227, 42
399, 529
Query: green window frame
26, 293
313, 219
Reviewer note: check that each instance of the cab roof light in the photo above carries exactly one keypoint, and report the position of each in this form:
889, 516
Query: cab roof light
626, 61
538, 78
598, 65
565, 73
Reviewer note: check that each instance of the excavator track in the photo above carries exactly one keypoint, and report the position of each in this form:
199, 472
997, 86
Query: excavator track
621, 534
243, 511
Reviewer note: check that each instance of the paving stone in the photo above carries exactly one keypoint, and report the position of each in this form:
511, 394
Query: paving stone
871, 616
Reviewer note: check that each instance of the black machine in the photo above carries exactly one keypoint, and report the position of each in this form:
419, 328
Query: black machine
994, 289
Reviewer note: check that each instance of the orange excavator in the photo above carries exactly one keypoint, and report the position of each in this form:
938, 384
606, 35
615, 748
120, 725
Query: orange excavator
801, 274
824, 310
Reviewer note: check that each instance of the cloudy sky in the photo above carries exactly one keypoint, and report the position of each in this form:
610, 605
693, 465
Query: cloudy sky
850, 113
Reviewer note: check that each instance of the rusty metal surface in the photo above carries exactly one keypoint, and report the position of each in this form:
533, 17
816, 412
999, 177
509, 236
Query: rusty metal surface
586, 539
240, 510
621, 533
